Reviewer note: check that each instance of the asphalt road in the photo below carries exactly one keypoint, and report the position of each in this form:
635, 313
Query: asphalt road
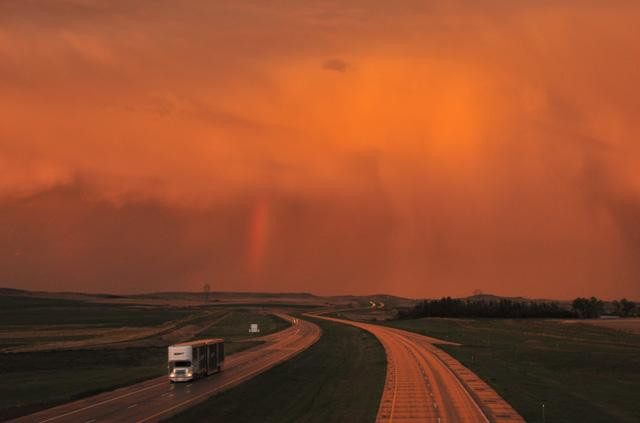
425, 384
157, 399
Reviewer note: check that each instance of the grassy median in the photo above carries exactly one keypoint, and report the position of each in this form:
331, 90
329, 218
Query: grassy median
582, 373
338, 379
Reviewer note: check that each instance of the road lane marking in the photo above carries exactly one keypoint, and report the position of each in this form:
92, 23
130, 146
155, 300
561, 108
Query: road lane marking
231, 382
219, 388
100, 403
464, 388
408, 338
286, 339
408, 342
282, 337
131, 406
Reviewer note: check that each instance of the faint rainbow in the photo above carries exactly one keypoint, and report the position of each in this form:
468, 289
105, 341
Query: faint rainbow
258, 233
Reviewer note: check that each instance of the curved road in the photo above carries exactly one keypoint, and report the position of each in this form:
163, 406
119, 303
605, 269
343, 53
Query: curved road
157, 399
425, 384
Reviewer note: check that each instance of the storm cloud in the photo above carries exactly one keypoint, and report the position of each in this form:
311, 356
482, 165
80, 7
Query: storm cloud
415, 148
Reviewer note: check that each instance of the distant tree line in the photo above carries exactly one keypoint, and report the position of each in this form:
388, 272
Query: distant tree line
505, 308
589, 308
625, 308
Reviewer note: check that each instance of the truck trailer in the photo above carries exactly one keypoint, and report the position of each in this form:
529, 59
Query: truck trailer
192, 360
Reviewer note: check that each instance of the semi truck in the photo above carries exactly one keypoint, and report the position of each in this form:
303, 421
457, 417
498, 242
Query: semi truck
196, 359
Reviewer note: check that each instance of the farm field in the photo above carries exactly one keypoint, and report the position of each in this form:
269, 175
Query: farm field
50, 347
580, 372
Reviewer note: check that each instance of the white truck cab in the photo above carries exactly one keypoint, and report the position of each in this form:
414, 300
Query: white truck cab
191, 360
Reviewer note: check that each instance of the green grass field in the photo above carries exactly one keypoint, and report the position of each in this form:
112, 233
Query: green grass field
582, 373
21, 311
338, 379
39, 379
33, 381
236, 325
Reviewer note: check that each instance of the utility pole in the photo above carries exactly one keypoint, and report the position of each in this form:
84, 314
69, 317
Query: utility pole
206, 290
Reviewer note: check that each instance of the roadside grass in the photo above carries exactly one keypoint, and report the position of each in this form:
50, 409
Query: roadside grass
36, 380
32, 381
76, 334
302, 307
236, 325
582, 373
338, 379
17, 312
57, 377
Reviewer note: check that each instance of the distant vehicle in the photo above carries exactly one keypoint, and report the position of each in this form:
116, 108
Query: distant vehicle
196, 359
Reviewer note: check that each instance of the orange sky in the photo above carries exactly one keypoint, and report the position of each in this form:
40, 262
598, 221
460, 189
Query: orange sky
418, 148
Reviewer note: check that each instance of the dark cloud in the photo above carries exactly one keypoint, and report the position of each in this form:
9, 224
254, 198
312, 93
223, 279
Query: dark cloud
611, 199
337, 65
70, 237
475, 147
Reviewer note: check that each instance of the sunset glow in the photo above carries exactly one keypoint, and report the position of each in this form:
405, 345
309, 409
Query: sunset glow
412, 148
258, 237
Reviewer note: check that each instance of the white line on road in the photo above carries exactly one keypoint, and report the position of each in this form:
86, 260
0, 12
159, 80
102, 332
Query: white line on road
99, 403
282, 340
133, 405
229, 383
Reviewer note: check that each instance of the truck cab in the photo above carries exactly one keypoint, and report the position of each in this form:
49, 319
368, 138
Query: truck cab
190, 360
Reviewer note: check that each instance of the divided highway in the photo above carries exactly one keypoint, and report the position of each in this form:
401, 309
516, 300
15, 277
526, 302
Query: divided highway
157, 399
425, 384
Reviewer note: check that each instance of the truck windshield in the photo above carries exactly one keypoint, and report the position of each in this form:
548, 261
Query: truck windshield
180, 364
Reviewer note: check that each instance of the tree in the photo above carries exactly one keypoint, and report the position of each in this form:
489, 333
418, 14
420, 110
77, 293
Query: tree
588, 308
617, 307
580, 306
596, 307
504, 308
627, 308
